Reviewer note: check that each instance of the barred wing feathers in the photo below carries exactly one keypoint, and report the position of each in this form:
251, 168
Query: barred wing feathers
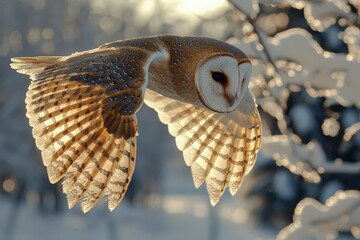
220, 148
82, 110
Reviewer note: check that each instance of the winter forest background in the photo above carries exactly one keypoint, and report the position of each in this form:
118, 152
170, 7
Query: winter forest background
306, 182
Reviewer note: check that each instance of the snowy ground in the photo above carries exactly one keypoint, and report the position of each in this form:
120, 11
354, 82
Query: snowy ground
172, 217
129, 223
177, 213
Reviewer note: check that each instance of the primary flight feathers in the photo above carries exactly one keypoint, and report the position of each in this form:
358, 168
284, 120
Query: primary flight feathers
83, 112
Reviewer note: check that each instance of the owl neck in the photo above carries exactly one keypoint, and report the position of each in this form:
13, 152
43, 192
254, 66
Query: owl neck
163, 81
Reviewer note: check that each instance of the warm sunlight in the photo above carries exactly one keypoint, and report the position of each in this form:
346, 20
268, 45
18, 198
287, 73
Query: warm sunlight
200, 6
179, 119
183, 7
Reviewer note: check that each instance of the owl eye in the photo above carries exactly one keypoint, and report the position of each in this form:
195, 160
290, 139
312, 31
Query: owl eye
219, 77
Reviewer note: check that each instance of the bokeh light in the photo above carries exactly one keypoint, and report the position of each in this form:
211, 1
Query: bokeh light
8, 185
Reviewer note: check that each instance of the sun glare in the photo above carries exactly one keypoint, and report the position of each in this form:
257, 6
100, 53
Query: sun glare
200, 6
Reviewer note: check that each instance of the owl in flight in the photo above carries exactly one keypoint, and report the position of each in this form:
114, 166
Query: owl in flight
83, 108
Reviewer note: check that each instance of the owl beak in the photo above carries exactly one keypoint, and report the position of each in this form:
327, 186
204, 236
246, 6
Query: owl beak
230, 99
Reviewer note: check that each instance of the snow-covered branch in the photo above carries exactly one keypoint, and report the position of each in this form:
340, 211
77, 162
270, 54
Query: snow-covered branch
313, 220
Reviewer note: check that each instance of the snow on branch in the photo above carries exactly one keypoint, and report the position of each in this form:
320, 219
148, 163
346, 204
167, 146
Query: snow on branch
322, 14
319, 14
250, 8
351, 37
302, 61
351, 131
306, 160
313, 220
293, 57
288, 64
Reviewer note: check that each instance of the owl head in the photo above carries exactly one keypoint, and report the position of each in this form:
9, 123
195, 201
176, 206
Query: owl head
221, 82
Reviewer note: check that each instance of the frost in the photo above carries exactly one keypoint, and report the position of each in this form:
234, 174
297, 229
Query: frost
306, 160
323, 73
313, 220
351, 131
322, 14
270, 106
298, 158
288, 62
352, 39
250, 8
330, 127
319, 14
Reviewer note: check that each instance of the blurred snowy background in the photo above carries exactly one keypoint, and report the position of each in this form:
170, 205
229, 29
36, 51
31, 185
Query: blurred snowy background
311, 125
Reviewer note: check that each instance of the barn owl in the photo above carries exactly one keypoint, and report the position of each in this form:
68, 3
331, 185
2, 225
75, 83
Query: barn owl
82, 108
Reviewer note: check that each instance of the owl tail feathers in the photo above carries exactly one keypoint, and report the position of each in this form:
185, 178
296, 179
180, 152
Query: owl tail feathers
32, 65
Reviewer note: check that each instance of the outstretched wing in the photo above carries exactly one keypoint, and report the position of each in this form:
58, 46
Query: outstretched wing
220, 148
82, 110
